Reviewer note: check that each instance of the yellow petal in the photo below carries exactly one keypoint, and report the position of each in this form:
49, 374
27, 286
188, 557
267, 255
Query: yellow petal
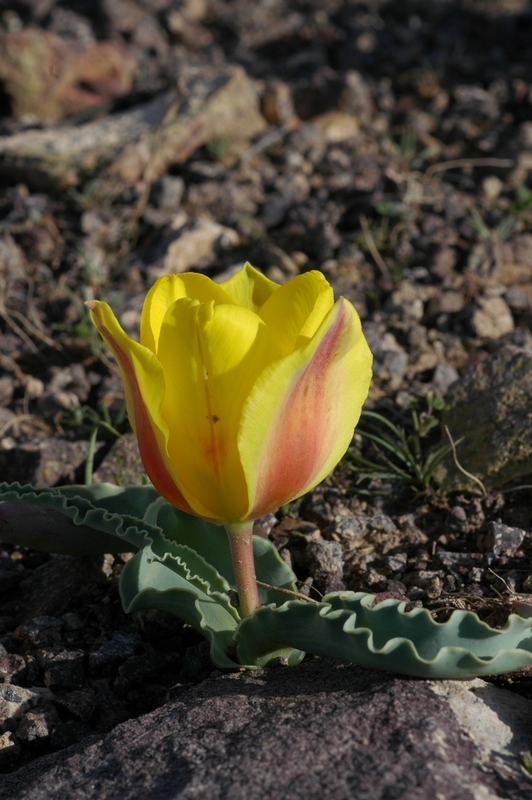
295, 312
144, 386
249, 287
211, 356
165, 292
300, 416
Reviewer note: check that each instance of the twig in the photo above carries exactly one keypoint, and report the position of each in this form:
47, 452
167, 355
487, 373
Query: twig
372, 247
32, 328
503, 581
460, 467
14, 421
516, 488
287, 591
456, 163
18, 330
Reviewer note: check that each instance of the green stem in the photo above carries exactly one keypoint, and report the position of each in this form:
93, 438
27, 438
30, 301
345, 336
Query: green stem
241, 545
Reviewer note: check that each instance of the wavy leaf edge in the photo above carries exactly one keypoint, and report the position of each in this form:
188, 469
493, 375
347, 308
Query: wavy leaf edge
340, 609
342, 636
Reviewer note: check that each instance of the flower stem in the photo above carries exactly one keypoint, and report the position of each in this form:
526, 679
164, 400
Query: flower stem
241, 546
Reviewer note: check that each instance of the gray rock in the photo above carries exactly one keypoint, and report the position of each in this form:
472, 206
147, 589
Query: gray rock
395, 562
12, 668
444, 376
320, 731
52, 587
353, 529
141, 668
62, 668
491, 408
168, 192
37, 725
503, 540
430, 581
389, 358
326, 565
112, 653
122, 463
42, 631
44, 461
80, 703
16, 700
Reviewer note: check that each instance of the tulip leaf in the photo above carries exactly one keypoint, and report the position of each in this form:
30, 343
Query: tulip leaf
174, 584
168, 572
211, 542
76, 515
132, 500
136, 515
386, 636
184, 566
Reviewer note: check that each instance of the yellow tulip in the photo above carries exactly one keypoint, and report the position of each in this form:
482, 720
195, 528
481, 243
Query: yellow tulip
243, 395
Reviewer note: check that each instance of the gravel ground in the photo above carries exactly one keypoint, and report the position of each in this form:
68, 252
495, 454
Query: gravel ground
388, 144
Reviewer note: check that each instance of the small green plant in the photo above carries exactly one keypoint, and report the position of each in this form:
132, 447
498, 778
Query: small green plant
218, 148
93, 421
398, 454
500, 233
408, 150
523, 200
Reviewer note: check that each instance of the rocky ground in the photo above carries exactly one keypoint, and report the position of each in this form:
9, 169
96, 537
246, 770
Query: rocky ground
388, 144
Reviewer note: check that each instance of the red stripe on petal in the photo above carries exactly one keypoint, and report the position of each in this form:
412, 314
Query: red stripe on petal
150, 453
305, 430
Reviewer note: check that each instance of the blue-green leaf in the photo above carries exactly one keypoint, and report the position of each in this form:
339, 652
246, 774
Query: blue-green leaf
346, 625
211, 542
186, 586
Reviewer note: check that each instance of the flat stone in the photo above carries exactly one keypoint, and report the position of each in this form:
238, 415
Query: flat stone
194, 242
320, 731
122, 464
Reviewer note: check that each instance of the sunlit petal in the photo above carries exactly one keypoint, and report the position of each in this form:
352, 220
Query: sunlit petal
295, 312
165, 292
212, 355
243, 395
300, 416
144, 387
249, 288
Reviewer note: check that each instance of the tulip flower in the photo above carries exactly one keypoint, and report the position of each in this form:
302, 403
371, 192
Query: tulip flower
243, 395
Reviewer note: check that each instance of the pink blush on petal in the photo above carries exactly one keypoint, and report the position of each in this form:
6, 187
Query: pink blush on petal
304, 431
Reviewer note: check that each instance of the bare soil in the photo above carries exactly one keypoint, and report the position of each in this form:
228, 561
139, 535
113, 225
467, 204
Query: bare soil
386, 143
